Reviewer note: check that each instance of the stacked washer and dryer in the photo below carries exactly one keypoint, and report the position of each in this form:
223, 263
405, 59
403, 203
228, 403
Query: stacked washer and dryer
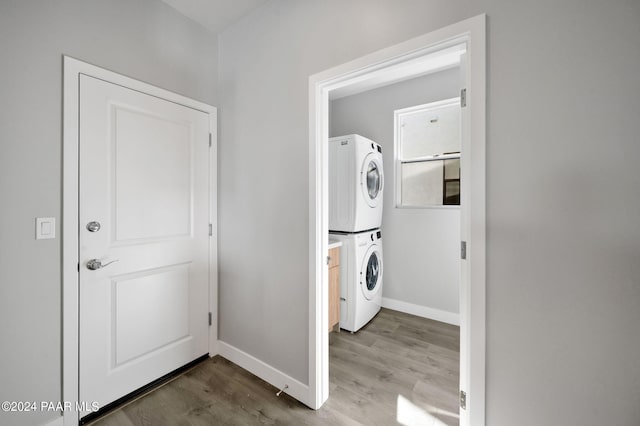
355, 216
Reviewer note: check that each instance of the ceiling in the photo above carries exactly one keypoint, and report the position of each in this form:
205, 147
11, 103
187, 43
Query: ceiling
215, 15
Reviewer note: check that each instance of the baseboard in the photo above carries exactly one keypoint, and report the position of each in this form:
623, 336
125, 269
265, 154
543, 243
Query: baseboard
57, 422
271, 375
421, 311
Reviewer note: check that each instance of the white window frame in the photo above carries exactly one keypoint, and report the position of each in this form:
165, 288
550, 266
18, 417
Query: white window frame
397, 151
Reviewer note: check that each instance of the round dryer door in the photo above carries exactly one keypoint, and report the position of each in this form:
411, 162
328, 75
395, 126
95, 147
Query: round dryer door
371, 179
371, 272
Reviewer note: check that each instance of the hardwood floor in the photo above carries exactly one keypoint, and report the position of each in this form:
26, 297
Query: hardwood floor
398, 369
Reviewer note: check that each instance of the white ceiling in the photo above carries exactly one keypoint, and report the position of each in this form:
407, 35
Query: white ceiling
215, 15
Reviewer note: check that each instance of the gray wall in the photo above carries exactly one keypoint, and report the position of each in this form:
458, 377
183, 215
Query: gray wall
563, 238
144, 39
421, 246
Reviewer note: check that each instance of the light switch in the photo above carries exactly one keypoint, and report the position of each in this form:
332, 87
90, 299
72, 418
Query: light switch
45, 228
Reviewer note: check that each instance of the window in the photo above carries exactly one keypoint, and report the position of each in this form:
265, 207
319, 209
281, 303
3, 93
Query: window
428, 154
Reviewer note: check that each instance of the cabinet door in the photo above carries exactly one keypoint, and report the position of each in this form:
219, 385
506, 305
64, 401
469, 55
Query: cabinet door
334, 296
334, 257
334, 287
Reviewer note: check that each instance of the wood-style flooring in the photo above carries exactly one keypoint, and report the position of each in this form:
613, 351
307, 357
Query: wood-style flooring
398, 369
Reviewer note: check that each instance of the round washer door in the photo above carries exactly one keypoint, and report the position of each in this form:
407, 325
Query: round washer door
371, 272
371, 179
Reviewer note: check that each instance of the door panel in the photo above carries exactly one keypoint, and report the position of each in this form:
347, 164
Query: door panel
156, 203
142, 329
144, 174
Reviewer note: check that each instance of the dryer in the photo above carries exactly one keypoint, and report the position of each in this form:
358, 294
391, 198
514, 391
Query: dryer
360, 277
356, 183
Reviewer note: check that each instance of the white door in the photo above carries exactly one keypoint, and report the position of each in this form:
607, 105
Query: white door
144, 173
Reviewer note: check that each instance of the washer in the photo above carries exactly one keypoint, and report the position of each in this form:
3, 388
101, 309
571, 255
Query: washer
361, 271
356, 183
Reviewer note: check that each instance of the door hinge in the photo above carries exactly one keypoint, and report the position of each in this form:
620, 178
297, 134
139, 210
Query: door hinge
210, 140
463, 249
463, 400
463, 98
211, 230
210, 319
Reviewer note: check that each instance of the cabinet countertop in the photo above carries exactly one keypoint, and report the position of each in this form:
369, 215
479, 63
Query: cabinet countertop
334, 244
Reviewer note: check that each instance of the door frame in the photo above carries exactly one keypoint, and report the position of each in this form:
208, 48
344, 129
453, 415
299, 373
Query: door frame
356, 73
72, 69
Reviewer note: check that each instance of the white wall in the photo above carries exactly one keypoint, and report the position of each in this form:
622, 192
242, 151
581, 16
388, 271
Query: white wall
144, 39
421, 246
562, 211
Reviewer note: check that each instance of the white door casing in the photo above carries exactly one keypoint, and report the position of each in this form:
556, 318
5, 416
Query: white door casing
395, 63
141, 161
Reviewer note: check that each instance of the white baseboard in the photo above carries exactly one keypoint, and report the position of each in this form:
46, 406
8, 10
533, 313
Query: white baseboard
421, 311
275, 377
57, 422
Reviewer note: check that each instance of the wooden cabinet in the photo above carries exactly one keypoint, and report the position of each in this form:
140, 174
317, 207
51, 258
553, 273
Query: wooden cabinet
334, 288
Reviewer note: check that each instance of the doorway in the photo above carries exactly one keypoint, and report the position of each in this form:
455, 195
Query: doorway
139, 251
396, 63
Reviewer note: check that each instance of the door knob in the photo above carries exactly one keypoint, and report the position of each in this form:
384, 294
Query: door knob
93, 226
95, 264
